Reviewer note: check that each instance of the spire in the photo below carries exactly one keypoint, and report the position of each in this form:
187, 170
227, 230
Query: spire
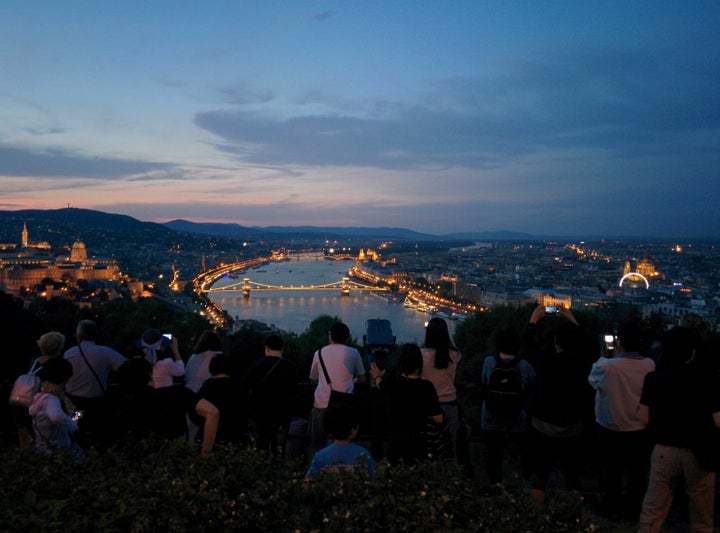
25, 240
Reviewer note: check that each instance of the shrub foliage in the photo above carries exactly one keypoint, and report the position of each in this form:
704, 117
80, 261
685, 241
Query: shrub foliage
168, 487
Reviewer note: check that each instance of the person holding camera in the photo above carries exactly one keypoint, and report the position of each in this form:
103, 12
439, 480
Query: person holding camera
562, 399
622, 435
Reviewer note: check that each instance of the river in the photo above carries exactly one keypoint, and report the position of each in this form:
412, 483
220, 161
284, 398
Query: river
294, 310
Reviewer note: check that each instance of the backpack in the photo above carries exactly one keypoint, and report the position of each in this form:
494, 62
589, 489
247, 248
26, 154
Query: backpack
505, 388
24, 388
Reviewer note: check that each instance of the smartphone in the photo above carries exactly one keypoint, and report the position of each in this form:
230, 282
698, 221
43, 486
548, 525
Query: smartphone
168, 336
551, 309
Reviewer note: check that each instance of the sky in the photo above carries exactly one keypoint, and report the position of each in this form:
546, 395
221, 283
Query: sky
566, 118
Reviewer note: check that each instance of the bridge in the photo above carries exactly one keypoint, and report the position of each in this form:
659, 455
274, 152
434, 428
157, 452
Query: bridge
246, 285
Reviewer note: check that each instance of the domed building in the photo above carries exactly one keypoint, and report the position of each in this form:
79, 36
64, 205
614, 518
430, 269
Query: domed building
32, 267
78, 253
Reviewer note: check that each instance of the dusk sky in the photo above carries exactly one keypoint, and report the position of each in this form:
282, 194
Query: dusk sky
569, 118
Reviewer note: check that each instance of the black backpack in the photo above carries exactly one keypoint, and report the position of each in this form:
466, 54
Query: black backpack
505, 390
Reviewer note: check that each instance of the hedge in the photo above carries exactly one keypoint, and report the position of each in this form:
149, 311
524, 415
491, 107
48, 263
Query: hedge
168, 487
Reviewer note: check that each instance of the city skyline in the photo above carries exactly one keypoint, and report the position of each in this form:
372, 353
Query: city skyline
565, 119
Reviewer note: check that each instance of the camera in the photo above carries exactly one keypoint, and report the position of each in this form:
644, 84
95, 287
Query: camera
608, 343
551, 309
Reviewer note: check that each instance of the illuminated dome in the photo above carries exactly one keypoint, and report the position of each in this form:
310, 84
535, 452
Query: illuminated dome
78, 254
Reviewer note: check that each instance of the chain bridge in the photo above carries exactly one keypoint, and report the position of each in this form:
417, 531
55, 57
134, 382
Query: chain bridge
247, 285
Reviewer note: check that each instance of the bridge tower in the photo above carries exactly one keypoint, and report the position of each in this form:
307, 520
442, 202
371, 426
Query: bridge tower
345, 287
246, 287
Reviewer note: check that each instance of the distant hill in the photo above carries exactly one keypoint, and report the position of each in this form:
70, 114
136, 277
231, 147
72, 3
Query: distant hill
61, 227
207, 228
298, 232
494, 236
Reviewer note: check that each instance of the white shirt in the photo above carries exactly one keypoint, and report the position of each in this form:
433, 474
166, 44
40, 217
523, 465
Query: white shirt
343, 364
618, 382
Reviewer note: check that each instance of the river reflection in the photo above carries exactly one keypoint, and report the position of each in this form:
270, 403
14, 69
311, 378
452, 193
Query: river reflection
294, 310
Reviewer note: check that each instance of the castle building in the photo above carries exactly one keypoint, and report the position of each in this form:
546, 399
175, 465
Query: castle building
29, 266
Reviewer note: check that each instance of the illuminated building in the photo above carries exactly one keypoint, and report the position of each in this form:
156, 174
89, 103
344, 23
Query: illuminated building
26, 268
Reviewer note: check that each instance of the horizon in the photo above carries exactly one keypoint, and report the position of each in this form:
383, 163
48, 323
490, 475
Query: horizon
552, 120
459, 235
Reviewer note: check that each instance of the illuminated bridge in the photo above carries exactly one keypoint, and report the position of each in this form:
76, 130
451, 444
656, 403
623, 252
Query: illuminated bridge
246, 286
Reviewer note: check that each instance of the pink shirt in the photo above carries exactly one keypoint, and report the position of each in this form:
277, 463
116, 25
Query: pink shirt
442, 378
164, 371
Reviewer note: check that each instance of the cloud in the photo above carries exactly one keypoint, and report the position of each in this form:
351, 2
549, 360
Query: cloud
629, 103
241, 94
321, 17
61, 163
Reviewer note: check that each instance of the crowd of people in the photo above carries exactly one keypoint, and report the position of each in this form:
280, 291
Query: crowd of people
654, 420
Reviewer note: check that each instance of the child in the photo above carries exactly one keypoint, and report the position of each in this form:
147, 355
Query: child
343, 425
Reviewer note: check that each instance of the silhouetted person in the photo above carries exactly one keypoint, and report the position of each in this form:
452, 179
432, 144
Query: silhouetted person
622, 437
344, 366
271, 383
92, 365
681, 403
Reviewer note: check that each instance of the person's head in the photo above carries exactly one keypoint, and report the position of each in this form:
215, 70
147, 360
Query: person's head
629, 335
135, 374
679, 345
342, 421
410, 360
208, 341
567, 336
339, 333
437, 337
220, 364
436, 333
56, 370
506, 340
274, 344
695, 322
86, 331
51, 344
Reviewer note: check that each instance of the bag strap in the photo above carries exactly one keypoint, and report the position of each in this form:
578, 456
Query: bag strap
271, 369
91, 368
322, 364
34, 366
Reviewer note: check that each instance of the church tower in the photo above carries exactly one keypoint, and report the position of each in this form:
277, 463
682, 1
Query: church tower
25, 237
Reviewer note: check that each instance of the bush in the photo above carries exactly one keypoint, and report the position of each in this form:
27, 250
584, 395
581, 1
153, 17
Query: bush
168, 487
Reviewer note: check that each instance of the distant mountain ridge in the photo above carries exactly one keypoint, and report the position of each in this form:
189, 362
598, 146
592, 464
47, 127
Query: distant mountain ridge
380, 232
63, 226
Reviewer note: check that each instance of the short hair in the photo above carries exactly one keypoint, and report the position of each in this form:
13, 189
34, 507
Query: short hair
220, 364
630, 335
56, 370
410, 359
339, 333
507, 340
208, 341
51, 344
341, 419
87, 330
135, 374
274, 342
567, 336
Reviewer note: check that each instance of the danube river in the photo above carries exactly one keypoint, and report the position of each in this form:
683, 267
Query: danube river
294, 310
